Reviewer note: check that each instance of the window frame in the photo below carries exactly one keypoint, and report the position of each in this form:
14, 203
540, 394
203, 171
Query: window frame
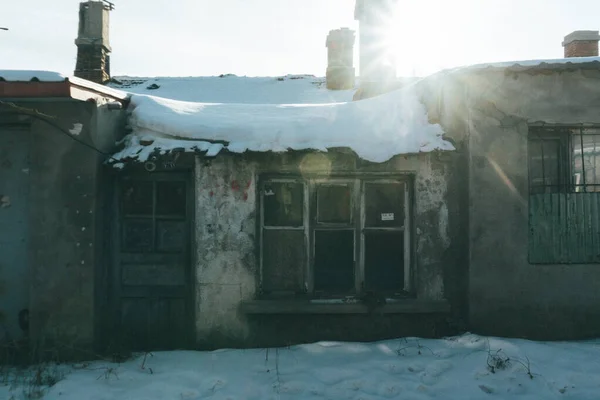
559, 215
564, 135
358, 183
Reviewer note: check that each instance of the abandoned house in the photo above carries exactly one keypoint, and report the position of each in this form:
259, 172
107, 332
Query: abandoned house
159, 213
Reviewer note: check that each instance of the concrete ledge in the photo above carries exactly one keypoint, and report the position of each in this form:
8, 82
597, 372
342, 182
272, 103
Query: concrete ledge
407, 306
581, 36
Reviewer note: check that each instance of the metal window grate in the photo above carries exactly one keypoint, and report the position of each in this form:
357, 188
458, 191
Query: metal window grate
564, 195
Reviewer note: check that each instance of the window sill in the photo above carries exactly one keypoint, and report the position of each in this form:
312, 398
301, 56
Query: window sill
405, 306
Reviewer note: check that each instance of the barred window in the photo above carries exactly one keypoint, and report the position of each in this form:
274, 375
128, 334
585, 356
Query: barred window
564, 199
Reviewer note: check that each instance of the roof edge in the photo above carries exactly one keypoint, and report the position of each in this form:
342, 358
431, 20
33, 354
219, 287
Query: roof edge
116, 94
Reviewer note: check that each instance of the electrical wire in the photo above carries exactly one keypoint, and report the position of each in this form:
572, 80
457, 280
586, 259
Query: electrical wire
49, 119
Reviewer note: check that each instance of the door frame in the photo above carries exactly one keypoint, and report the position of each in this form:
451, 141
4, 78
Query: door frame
113, 285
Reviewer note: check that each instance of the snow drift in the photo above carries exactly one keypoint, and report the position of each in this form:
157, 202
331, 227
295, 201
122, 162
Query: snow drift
376, 129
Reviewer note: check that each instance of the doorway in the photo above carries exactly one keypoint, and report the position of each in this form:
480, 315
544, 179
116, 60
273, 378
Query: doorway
152, 280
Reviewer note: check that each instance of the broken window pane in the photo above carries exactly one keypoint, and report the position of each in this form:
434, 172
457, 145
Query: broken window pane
283, 204
334, 261
284, 255
384, 261
334, 204
384, 203
170, 198
137, 235
137, 197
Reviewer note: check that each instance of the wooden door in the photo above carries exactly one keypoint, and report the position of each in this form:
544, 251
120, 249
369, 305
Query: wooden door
152, 279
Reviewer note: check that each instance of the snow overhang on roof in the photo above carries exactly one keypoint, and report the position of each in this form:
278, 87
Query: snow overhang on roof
22, 84
375, 129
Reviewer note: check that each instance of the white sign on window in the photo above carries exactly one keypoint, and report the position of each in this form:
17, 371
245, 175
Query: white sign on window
387, 216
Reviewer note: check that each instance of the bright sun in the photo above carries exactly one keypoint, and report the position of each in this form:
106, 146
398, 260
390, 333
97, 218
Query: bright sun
410, 32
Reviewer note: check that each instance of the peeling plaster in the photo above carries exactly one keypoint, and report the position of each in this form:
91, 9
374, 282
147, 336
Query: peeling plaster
226, 243
225, 230
443, 224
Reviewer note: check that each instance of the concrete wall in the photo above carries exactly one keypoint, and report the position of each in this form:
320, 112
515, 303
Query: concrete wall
508, 296
14, 231
65, 241
225, 245
227, 248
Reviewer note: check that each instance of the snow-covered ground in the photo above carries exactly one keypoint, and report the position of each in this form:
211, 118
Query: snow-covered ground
465, 367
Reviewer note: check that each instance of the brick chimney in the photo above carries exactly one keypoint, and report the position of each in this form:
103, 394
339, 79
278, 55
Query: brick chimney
340, 59
93, 47
581, 44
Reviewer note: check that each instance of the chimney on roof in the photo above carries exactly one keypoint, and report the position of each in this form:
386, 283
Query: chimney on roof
340, 59
93, 47
374, 60
581, 44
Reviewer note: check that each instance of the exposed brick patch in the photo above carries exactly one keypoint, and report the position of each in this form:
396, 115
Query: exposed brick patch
582, 48
93, 63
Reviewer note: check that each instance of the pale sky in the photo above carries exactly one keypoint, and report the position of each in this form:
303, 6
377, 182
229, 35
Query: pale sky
277, 37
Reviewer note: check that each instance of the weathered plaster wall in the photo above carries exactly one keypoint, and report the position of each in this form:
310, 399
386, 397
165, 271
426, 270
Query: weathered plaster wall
108, 128
225, 235
62, 210
64, 242
14, 230
227, 248
508, 296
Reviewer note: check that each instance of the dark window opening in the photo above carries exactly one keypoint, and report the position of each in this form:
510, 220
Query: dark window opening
137, 198
283, 204
334, 261
545, 165
170, 198
284, 261
384, 204
384, 261
334, 204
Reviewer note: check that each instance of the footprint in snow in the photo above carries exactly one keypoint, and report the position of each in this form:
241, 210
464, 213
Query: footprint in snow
486, 389
415, 368
432, 373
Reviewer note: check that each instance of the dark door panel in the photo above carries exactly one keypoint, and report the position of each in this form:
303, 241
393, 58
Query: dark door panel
151, 278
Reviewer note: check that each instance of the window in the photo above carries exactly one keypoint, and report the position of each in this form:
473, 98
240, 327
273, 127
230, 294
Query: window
334, 237
564, 198
153, 216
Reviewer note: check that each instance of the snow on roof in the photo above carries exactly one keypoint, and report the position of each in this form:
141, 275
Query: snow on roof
376, 129
290, 89
530, 63
9, 75
277, 114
